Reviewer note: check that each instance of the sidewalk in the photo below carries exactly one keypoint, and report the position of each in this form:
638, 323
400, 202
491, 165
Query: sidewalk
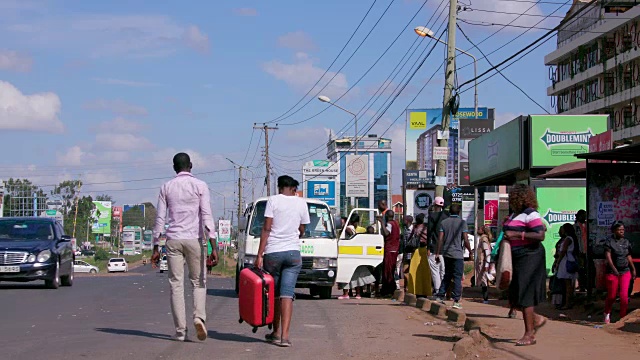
493, 335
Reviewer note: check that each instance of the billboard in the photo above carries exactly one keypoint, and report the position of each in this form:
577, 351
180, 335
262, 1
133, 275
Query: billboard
102, 222
323, 191
469, 129
224, 231
1, 198
557, 206
555, 139
496, 152
117, 216
601, 142
321, 167
357, 176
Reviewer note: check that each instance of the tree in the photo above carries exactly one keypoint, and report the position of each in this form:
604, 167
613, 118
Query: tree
150, 215
134, 216
68, 190
105, 197
84, 219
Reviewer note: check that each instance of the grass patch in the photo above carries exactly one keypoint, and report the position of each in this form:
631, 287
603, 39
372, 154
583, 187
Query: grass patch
226, 264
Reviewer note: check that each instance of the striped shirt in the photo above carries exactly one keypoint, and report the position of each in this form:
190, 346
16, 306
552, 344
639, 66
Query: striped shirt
528, 221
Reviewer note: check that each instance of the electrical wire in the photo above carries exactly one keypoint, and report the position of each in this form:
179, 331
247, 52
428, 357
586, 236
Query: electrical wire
253, 130
500, 72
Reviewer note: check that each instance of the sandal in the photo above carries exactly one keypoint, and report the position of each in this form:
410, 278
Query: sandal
285, 343
272, 338
528, 342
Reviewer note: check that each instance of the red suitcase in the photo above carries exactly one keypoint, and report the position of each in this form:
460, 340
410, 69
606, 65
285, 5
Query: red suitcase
256, 297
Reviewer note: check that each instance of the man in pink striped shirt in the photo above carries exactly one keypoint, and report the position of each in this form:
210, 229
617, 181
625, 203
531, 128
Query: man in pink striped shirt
184, 203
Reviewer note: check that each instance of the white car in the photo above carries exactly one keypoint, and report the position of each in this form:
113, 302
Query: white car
164, 266
117, 264
80, 266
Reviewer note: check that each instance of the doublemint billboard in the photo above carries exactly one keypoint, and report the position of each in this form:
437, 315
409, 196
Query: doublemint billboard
496, 153
558, 206
555, 139
102, 218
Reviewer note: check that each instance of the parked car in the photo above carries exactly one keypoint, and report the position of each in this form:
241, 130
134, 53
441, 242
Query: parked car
117, 264
80, 266
88, 253
35, 248
164, 266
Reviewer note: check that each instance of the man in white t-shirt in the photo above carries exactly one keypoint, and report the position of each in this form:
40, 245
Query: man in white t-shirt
285, 218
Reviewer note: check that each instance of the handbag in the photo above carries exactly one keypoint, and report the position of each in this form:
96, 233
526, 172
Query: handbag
413, 242
504, 266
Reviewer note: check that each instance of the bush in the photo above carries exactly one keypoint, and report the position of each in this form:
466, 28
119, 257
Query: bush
101, 254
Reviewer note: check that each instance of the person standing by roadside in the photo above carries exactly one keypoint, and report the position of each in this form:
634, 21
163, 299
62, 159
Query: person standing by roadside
405, 253
483, 260
453, 236
391, 232
580, 227
566, 263
185, 202
436, 264
419, 279
525, 232
620, 270
285, 219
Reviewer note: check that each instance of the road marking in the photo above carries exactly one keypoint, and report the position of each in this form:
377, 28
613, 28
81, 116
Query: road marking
313, 326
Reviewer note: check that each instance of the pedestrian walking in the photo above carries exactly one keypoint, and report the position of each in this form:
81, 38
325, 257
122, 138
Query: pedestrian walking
436, 264
419, 279
391, 232
566, 264
184, 203
525, 232
285, 218
453, 236
483, 260
620, 270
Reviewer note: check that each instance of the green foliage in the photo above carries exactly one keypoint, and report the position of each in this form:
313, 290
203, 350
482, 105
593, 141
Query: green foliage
101, 254
105, 197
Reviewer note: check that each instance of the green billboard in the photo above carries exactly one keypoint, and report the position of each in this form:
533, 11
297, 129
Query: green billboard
555, 139
102, 218
496, 153
557, 206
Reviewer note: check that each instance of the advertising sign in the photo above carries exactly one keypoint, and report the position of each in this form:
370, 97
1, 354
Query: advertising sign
53, 214
126, 208
102, 224
419, 201
496, 153
606, 215
323, 191
1, 198
440, 153
117, 216
555, 139
557, 206
224, 231
419, 179
357, 176
491, 201
128, 243
473, 128
601, 142
321, 167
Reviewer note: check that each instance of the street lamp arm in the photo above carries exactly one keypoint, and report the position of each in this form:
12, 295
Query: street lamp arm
343, 109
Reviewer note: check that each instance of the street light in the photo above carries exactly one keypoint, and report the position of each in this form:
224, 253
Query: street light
326, 99
426, 32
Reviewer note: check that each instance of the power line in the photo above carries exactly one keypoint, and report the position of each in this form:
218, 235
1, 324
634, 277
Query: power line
253, 130
500, 72
512, 13
482, 23
337, 72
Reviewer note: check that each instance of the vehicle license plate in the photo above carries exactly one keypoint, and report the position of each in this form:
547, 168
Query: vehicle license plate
9, 269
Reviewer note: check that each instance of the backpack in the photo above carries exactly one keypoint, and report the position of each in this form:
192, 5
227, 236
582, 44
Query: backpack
432, 230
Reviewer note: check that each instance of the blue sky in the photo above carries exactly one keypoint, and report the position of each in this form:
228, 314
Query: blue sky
109, 91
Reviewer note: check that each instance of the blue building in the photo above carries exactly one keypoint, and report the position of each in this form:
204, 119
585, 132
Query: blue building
376, 152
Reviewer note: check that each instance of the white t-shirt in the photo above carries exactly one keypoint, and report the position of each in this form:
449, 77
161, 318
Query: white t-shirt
288, 213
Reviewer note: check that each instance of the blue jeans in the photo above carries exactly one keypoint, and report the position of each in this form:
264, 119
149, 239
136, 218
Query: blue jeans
453, 270
284, 266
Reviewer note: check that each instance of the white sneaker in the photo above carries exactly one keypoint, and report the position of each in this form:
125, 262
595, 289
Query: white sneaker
179, 336
201, 330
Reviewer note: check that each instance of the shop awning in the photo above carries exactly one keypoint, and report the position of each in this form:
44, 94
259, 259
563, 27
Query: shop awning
566, 170
623, 153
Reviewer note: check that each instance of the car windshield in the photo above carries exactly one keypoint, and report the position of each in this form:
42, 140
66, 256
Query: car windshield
319, 227
25, 230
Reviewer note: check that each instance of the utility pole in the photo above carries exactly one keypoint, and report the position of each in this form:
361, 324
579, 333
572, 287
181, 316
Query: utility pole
239, 194
266, 129
449, 76
75, 217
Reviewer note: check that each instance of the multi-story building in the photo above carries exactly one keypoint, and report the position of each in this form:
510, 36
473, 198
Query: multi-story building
377, 152
596, 66
424, 147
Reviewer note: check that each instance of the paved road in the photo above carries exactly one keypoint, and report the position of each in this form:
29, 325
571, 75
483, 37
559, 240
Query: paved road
128, 317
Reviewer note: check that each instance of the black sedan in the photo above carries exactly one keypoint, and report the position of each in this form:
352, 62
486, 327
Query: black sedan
33, 248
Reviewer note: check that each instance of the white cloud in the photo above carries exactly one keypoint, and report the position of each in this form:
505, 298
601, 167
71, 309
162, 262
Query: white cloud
74, 156
298, 40
196, 39
122, 142
111, 81
37, 112
118, 107
107, 35
15, 61
497, 12
120, 125
302, 74
245, 11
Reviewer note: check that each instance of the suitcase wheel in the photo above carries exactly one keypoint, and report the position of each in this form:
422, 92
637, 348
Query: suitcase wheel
240, 320
254, 330
270, 326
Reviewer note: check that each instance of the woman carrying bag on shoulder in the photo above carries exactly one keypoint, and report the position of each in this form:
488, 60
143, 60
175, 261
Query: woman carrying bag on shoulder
419, 277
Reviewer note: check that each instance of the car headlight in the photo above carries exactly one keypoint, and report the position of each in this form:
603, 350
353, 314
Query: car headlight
44, 256
333, 262
31, 258
320, 263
